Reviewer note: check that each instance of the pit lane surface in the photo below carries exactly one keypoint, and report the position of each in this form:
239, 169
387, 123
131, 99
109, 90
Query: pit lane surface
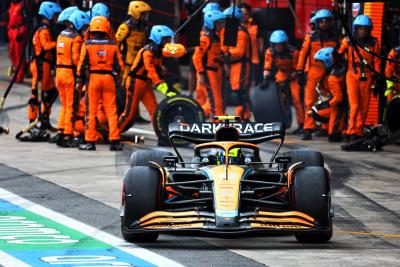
86, 186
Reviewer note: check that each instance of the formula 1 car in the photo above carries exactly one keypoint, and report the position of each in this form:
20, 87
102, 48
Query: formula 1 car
226, 188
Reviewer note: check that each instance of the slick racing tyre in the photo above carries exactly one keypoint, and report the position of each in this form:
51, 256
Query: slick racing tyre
269, 105
308, 157
175, 109
140, 196
143, 157
311, 194
391, 115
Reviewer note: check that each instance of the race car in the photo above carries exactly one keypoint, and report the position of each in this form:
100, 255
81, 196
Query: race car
226, 188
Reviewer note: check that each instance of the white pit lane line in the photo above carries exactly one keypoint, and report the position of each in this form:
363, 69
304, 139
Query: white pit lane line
116, 242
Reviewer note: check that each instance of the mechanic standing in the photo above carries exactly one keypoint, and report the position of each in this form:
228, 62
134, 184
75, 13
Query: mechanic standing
207, 62
283, 59
104, 62
42, 63
257, 43
238, 60
335, 66
359, 78
131, 34
17, 32
131, 37
144, 73
392, 70
323, 36
69, 44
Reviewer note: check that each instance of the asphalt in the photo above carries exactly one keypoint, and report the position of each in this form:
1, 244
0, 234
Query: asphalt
86, 186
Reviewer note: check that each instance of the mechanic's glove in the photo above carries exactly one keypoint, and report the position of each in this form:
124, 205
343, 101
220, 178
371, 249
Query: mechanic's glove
164, 89
301, 77
177, 86
390, 88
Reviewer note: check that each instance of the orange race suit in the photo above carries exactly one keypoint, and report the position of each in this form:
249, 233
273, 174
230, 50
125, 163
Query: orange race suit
393, 70
207, 61
104, 62
144, 73
359, 91
284, 64
41, 67
313, 42
69, 44
239, 62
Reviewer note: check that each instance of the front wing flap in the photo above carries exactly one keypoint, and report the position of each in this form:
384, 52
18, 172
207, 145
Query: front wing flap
164, 221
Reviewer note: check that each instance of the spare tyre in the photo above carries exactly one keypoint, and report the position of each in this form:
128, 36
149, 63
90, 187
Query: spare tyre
268, 106
175, 109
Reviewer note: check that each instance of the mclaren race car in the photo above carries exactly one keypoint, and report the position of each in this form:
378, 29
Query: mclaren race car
226, 188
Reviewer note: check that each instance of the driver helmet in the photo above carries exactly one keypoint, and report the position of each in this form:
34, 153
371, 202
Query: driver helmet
234, 155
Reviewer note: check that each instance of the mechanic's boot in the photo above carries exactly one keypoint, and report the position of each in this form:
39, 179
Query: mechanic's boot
46, 125
299, 130
115, 145
335, 138
88, 146
68, 142
307, 135
56, 138
321, 133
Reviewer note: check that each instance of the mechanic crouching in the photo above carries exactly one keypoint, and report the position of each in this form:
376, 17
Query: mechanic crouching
104, 62
335, 66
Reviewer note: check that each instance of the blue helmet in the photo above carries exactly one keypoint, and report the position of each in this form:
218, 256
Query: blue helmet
48, 9
100, 9
79, 19
323, 14
89, 13
362, 20
211, 17
158, 32
278, 37
66, 13
237, 13
211, 7
313, 20
325, 55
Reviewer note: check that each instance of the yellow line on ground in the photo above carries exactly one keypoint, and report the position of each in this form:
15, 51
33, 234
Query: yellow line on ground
368, 233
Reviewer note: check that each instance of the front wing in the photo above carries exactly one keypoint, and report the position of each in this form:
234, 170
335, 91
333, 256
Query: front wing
193, 221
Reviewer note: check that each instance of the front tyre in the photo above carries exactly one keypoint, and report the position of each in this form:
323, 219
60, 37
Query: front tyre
311, 193
141, 194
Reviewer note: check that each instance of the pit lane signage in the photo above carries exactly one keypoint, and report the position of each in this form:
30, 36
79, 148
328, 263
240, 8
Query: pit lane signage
211, 128
28, 237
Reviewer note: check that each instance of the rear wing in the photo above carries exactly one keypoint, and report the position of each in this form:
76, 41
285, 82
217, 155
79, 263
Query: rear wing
251, 132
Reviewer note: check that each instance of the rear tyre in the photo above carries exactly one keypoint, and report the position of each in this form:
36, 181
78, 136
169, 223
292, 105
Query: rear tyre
311, 193
141, 193
143, 157
308, 157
